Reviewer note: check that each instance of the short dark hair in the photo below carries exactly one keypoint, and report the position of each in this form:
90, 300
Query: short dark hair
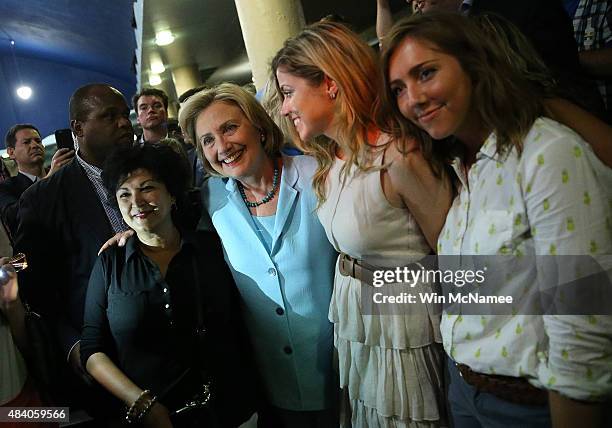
160, 160
11, 136
150, 92
82, 100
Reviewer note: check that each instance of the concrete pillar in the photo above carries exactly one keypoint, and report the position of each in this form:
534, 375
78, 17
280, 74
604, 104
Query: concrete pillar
186, 77
266, 24
166, 86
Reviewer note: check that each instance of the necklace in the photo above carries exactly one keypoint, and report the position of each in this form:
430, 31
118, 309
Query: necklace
266, 198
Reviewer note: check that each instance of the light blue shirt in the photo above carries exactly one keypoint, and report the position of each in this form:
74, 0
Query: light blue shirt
285, 292
265, 228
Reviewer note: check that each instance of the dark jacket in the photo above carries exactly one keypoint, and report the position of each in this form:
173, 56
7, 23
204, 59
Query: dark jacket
10, 191
546, 25
62, 226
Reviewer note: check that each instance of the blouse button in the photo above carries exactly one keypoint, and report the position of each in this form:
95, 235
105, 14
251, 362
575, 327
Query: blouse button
167, 306
165, 290
280, 311
272, 272
288, 350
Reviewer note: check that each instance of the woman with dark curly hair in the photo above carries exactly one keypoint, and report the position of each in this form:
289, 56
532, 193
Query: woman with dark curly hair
160, 324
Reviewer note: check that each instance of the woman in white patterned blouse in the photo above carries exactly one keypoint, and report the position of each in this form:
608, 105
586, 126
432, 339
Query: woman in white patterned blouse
527, 186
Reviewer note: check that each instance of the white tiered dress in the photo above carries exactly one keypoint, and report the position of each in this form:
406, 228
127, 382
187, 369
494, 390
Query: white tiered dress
391, 366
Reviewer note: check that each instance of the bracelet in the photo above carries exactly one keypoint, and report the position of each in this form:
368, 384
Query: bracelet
140, 407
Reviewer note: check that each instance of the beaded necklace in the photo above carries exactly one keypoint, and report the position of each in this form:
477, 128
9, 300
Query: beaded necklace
266, 198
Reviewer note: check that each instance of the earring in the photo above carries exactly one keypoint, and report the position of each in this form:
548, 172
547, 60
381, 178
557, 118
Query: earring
263, 137
332, 95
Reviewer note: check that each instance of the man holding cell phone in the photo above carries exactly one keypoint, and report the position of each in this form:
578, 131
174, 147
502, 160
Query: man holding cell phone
24, 146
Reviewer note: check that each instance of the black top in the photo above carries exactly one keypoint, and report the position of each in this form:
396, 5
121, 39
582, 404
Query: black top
546, 25
146, 324
10, 192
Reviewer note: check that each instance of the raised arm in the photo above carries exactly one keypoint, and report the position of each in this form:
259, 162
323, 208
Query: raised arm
384, 19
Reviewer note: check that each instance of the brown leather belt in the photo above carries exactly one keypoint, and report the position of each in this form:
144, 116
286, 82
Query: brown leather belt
514, 389
363, 271
357, 269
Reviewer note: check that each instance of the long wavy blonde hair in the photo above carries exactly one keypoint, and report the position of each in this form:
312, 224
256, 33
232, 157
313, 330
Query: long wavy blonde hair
329, 49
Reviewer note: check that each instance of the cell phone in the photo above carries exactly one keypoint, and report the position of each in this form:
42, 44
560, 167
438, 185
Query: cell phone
63, 139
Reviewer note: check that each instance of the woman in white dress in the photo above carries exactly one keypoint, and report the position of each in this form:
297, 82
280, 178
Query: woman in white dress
379, 200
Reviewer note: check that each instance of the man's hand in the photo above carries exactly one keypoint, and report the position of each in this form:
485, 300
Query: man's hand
119, 239
60, 158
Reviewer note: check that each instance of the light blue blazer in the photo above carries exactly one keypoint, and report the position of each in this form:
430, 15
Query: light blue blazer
286, 293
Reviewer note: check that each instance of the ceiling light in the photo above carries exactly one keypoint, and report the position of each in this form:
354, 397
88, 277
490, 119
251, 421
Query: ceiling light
154, 79
164, 38
157, 67
24, 92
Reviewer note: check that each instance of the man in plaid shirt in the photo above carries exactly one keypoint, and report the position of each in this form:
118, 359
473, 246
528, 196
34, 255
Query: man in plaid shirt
592, 21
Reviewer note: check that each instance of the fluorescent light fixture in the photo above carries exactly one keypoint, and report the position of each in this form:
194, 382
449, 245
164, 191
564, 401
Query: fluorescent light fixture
24, 92
154, 79
164, 38
158, 67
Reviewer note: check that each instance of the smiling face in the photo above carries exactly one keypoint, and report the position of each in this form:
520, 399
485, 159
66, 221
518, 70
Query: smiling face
144, 202
307, 105
431, 89
230, 142
28, 150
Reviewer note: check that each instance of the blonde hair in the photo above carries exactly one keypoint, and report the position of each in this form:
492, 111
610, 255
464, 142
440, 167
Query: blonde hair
331, 49
272, 103
243, 99
503, 99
